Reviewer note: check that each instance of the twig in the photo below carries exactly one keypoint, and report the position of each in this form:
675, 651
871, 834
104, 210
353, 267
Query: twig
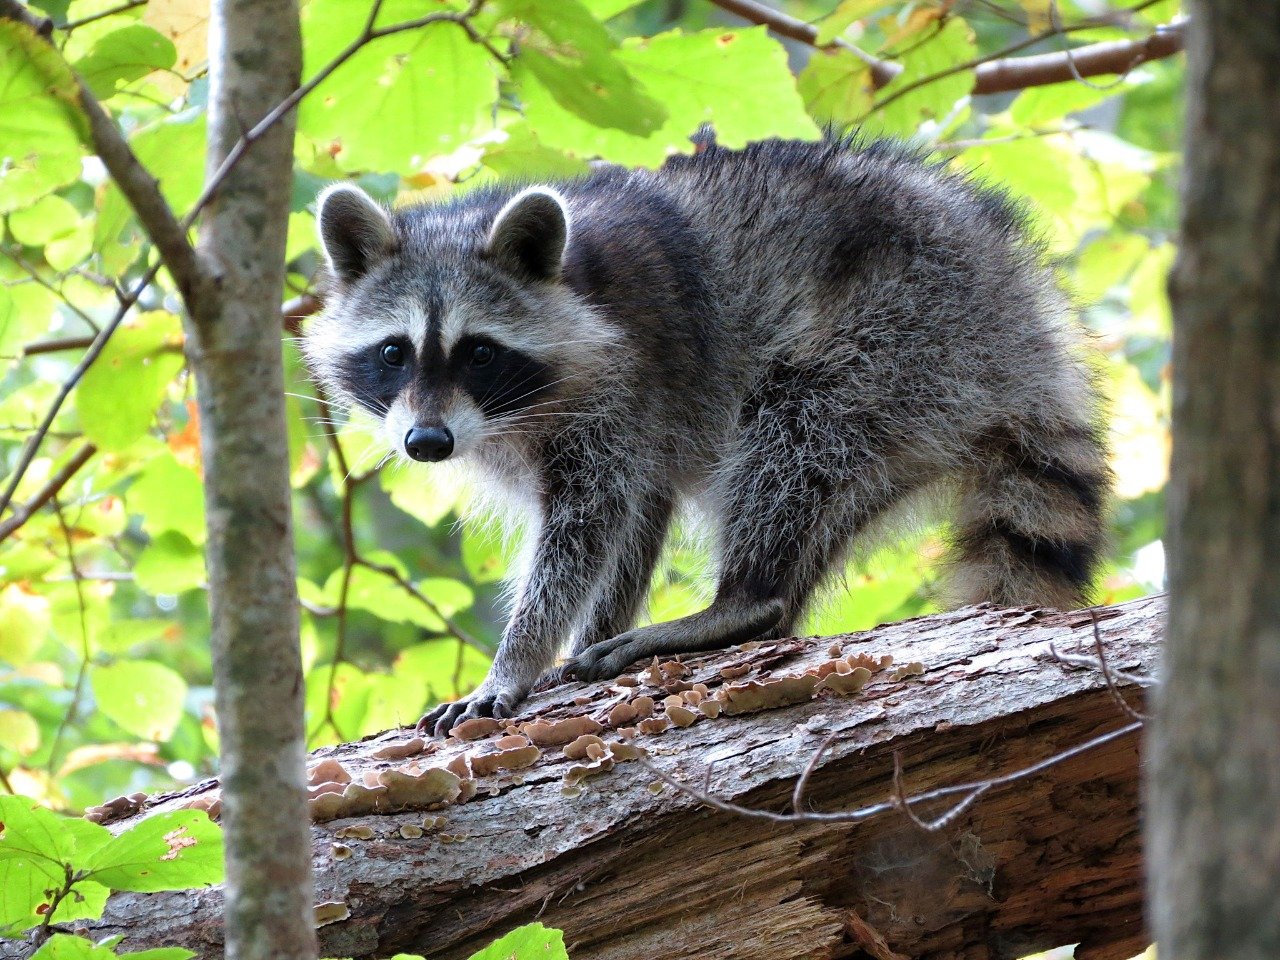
56, 346
102, 14
46, 493
95, 349
366, 36
968, 792
1109, 674
34, 274
1000, 72
78, 690
882, 71
1116, 56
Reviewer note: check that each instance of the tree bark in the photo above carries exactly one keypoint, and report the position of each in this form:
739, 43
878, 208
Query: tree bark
1214, 791
629, 868
234, 343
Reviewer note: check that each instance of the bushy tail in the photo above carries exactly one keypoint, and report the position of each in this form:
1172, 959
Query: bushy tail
1031, 528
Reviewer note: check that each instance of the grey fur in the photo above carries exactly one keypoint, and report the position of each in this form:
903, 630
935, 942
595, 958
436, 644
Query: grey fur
795, 337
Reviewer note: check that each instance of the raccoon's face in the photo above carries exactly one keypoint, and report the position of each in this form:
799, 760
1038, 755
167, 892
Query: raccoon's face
449, 329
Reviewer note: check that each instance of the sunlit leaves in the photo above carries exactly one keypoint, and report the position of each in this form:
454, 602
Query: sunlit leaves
122, 56
142, 696
24, 623
904, 106
571, 56
168, 496
700, 78
63, 946
530, 942
119, 394
39, 127
167, 851
402, 99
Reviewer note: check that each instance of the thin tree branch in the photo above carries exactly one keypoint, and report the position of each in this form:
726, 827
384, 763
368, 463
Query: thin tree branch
57, 345
1117, 56
968, 793
95, 349
999, 72
367, 35
101, 15
46, 493
882, 71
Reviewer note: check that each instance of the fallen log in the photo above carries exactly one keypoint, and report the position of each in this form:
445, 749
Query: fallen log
468, 839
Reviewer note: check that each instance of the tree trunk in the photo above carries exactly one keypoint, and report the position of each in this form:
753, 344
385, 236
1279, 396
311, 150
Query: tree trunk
631, 869
1214, 791
255, 61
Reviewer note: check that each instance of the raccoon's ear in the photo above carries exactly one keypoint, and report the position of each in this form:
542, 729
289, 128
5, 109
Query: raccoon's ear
529, 234
354, 230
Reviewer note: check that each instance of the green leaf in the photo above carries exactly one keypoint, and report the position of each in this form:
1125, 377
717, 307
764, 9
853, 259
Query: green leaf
39, 126
836, 87
483, 552
428, 495
448, 668
25, 893
700, 77
835, 23
24, 623
522, 156
168, 496
142, 696
400, 100
606, 9
19, 731
1056, 100
533, 941
30, 832
159, 953
950, 45
47, 219
119, 394
173, 150
124, 55
344, 688
571, 55
169, 851
170, 564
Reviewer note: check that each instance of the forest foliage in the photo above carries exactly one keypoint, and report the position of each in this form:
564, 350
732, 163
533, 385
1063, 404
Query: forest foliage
104, 660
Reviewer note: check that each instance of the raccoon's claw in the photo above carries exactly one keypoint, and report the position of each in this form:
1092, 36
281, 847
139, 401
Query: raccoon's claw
446, 716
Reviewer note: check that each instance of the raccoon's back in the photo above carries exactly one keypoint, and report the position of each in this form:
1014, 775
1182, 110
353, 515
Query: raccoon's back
834, 220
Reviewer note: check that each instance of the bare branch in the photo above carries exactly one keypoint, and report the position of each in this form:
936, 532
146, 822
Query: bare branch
57, 345
46, 493
969, 793
882, 71
102, 15
367, 35
1117, 56
95, 349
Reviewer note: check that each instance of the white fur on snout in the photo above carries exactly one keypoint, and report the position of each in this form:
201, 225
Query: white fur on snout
398, 422
467, 423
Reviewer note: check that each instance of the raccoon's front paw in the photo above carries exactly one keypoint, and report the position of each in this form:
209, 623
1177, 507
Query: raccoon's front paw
487, 700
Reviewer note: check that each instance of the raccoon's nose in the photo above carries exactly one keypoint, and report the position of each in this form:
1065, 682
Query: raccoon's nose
428, 444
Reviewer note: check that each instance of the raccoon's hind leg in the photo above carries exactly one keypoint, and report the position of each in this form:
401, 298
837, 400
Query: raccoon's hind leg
1030, 528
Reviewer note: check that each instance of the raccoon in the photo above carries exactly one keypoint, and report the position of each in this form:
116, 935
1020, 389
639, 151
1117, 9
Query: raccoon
794, 338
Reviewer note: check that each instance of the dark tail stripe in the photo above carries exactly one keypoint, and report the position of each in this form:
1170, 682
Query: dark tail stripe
1089, 489
1074, 562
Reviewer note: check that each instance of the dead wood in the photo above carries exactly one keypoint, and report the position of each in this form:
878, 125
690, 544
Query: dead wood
631, 868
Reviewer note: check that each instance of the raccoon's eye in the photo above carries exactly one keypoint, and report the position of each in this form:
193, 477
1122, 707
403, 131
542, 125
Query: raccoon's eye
481, 355
392, 354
